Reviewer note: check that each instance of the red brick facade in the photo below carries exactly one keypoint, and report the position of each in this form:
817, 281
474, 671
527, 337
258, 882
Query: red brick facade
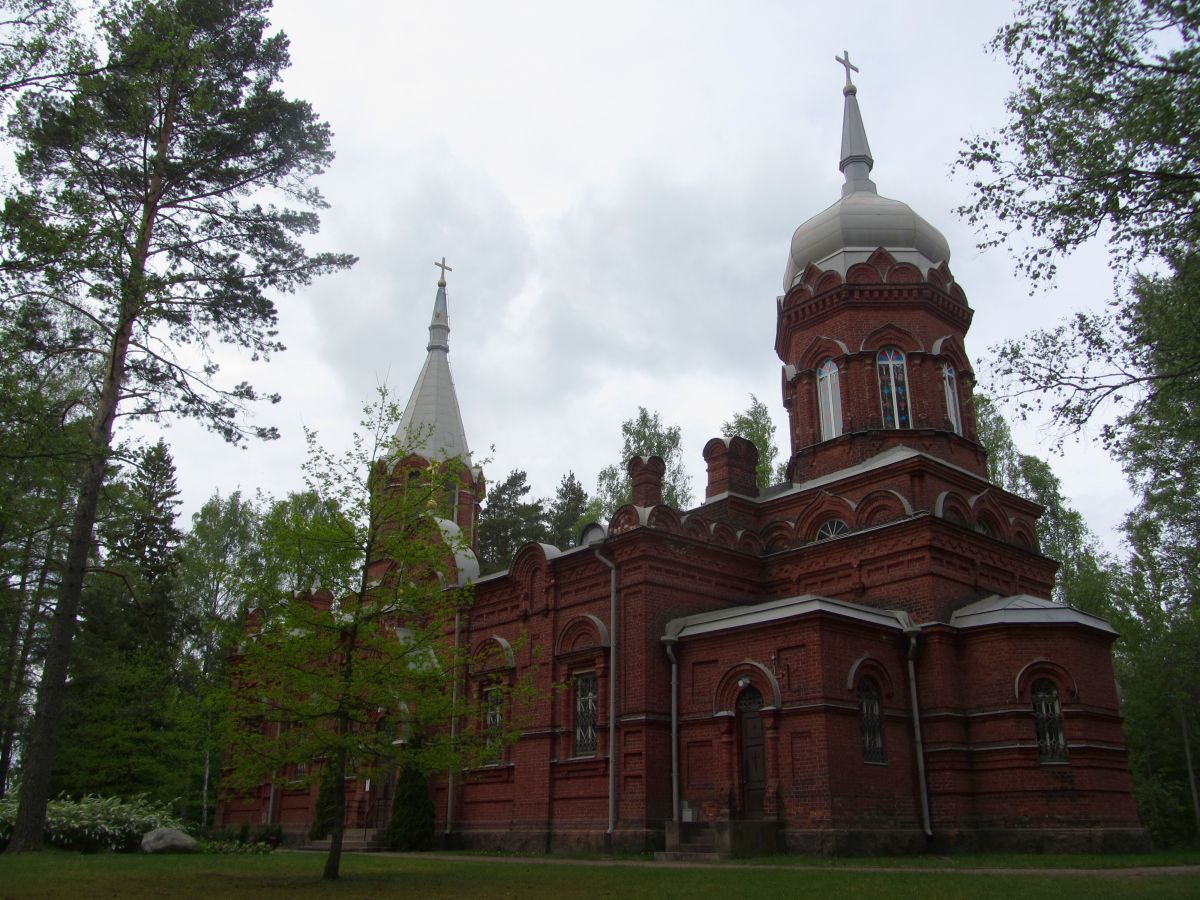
861, 659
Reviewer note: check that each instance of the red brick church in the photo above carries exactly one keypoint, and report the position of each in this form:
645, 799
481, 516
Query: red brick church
863, 658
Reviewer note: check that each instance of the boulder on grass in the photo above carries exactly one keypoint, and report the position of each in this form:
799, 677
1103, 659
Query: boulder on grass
168, 840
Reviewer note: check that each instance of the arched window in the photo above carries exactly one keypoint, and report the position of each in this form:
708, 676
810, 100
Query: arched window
870, 720
1048, 722
893, 388
950, 383
829, 400
831, 528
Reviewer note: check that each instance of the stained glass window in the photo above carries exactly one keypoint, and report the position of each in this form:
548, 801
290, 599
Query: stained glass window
871, 720
1048, 722
950, 383
829, 400
585, 714
893, 388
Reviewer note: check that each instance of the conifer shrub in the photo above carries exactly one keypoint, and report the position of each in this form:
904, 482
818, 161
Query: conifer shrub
326, 808
411, 824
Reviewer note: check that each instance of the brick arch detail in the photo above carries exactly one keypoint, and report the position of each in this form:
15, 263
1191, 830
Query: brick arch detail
891, 334
698, 527
985, 509
778, 535
1044, 667
581, 628
494, 647
724, 535
881, 506
869, 665
952, 502
760, 677
824, 506
820, 349
951, 349
664, 518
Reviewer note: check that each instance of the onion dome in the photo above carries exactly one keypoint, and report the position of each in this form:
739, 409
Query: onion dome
861, 221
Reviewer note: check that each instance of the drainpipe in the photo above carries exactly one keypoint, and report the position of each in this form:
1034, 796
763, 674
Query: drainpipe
918, 744
453, 726
670, 643
612, 692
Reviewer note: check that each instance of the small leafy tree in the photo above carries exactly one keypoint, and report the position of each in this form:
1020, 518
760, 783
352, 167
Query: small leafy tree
755, 425
337, 675
646, 435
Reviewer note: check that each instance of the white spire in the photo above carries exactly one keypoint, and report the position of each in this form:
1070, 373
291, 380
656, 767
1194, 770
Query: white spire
856, 163
432, 417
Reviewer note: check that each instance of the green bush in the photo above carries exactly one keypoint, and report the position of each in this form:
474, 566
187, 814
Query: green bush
94, 823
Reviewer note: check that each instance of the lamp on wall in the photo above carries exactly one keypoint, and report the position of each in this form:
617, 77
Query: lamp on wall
743, 682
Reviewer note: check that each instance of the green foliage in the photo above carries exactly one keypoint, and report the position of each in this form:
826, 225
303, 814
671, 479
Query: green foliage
338, 674
160, 203
411, 824
1086, 576
568, 512
755, 425
508, 521
645, 435
94, 823
1100, 139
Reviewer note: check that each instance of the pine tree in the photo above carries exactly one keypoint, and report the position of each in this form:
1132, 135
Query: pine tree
132, 211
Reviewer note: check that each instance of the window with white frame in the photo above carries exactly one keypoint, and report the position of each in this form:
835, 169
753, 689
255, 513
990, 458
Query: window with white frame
829, 400
950, 384
585, 700
893, 388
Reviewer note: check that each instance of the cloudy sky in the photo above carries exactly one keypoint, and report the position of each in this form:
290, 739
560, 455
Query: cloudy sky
615, 186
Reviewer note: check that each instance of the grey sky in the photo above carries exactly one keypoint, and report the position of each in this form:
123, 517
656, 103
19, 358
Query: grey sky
615, 186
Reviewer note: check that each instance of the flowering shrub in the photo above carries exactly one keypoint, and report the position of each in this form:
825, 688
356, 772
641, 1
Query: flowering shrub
94, 823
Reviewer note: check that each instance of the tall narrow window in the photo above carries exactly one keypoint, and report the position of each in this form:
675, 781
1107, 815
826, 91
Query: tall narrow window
950, 383
1048, 722
493, 723
893, 388
585, 715
870, 720
829, 400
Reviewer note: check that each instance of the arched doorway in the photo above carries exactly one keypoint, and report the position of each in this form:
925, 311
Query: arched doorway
752, 751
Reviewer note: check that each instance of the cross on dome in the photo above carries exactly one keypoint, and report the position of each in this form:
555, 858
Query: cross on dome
844, 59
445, 268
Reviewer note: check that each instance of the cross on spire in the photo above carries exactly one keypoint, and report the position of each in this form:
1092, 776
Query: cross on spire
445, 268
844, 59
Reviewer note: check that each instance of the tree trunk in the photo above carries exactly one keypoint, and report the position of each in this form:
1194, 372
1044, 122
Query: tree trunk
333, 861
16, 683
1187, 755
43, 742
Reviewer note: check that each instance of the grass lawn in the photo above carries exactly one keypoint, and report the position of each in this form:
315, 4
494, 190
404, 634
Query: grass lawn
297, 875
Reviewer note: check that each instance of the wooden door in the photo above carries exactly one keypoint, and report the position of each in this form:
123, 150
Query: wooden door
752, 749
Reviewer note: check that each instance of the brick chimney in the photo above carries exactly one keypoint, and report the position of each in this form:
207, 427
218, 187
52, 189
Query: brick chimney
646, 476
731, 467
